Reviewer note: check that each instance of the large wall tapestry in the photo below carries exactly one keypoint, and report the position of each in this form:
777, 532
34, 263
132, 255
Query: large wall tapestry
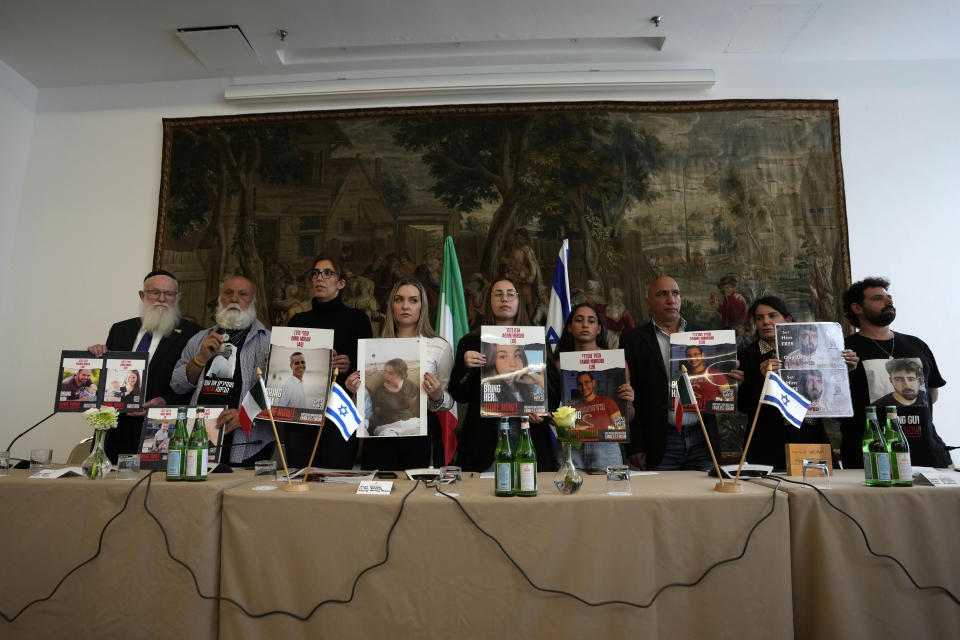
734, 199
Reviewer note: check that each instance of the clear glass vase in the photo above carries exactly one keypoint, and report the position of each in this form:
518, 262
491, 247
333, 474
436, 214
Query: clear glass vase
567, 479
97, 465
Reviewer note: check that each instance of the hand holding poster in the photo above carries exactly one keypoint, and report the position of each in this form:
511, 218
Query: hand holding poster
512, 381
813, 366
591, 380
390, 395
708, 357
298, 374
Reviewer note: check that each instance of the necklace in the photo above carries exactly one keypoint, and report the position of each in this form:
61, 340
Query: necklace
893, 342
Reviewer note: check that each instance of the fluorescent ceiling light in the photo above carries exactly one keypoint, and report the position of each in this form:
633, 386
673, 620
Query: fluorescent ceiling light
475, 84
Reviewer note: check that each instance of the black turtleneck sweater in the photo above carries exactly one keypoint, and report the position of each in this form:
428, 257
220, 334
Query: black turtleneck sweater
349, 325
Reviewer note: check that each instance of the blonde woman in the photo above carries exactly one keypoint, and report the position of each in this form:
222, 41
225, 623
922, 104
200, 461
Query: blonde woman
408, 316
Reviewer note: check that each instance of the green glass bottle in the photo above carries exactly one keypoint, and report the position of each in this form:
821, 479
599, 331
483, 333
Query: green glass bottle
901, 471
197, 451
503, 462
177, 448
525, 463
876, 460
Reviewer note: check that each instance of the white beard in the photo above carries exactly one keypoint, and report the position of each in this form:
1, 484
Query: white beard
159, 322
233, 317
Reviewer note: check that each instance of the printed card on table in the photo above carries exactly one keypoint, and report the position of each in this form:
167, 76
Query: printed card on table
708, 357
591, 380
298, 374
512, 380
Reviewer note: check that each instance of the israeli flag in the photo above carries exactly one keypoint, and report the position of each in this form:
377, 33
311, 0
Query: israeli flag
791, 404
559, 307
342, 412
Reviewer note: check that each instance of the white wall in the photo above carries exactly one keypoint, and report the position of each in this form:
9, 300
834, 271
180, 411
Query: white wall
89, 208
18, 102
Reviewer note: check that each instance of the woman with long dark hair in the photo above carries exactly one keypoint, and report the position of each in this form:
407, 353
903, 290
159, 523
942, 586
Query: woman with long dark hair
584, 331
478, 436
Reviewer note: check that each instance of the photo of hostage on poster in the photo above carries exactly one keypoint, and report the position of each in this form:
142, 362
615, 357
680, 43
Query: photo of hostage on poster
813, 366
511, 381
125, 380
828, 390
298, 374
708, 357
78, 383
390, 394
811, 345
591, 382
158, 426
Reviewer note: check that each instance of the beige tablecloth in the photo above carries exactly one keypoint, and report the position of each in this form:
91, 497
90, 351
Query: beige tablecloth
132, 589
444, 579
841, 591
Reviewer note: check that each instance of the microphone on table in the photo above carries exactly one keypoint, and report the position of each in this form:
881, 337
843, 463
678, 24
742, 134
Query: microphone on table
25, 464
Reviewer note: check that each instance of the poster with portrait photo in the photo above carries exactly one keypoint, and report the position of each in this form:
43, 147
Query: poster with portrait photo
810, 345
390, 394
158, 426
812, 364
78, 384
512, 380
708, 356
124, 380
591, 380
298, 374
828, 390
896, 382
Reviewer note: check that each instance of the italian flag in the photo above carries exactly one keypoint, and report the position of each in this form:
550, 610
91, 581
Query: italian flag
253, 403
451, 325
686, 397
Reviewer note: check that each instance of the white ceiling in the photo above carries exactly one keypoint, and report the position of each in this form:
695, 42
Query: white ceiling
54, 43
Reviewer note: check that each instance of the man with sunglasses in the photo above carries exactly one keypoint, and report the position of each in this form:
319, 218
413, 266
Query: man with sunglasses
160, 331
327, 311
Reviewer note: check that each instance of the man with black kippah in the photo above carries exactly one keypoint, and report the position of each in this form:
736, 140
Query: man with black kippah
162, 333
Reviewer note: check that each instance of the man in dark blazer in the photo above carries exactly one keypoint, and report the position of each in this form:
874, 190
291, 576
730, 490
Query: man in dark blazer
655, 442
162, 333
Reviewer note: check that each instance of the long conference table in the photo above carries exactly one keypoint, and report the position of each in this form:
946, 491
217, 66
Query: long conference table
804, 574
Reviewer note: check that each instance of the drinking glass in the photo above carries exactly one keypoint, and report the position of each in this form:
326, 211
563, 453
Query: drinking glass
618, 480
448, 481
817, 467
128, 466
265, 475
4, 463
40, 459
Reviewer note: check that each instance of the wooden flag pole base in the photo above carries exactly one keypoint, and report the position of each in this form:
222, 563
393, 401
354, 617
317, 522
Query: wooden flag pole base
276, 438
728, 488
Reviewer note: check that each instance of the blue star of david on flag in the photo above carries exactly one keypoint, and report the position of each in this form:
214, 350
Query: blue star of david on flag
791, 404
342, 412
